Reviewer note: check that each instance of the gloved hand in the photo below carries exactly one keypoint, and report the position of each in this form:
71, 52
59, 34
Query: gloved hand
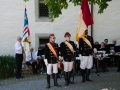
81, 58
46, 62
60, 58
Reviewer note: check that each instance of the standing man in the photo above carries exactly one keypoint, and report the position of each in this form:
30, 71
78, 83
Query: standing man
18, 57
51, 58
67, 49
85, 53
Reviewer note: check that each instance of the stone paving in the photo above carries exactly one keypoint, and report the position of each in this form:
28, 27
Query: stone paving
101, 81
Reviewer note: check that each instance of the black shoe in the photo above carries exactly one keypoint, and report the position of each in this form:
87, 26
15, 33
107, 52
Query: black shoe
70, 82
17, 78
88, 79
96, 71
35, 73
58, 76
57, 85
66, 84
21, 77
48, 86
118, 71
83, 80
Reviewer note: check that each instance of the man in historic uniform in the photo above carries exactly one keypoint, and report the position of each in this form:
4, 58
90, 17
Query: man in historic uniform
67, 49
51, 58
85, 53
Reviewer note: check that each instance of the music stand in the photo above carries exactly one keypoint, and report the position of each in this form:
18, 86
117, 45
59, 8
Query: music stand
40, 52
97, 46
107, 47
98, 73
117, 48
111, 45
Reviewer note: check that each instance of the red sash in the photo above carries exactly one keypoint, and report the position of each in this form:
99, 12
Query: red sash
51, 47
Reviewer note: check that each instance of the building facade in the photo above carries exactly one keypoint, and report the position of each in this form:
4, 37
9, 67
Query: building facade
106, 25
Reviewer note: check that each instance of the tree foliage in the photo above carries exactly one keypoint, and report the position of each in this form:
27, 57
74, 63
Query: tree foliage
55, 6
25, 0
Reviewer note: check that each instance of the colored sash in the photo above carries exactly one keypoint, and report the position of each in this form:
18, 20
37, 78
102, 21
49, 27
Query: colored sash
87, 41
70, 47
52, 49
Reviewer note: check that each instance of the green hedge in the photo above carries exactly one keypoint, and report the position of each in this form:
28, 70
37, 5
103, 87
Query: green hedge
7, 66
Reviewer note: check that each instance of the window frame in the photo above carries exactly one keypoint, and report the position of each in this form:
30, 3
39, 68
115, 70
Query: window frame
37, 17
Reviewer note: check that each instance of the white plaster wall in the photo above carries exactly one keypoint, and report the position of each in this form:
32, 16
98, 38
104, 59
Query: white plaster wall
107, 24
12, 16
11, 24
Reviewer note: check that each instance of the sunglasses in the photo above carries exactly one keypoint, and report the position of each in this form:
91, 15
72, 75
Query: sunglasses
54, 38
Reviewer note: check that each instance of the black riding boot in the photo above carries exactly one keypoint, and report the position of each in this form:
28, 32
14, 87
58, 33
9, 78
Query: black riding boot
48, 81
66, 78
83, 75
69, 76
88, 74
55, 81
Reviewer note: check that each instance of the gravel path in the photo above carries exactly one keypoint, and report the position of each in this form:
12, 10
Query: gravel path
109, 80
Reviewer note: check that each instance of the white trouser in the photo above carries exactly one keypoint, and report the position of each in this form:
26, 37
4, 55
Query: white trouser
52, 67
68, 66
86, 62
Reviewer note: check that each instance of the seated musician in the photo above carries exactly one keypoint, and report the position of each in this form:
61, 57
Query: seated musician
96, 43
32, 60
116, 57
102, 57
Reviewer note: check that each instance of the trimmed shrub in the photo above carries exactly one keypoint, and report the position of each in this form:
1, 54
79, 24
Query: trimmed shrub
7, 66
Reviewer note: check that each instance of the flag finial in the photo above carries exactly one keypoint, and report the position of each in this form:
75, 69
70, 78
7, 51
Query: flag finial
25, 0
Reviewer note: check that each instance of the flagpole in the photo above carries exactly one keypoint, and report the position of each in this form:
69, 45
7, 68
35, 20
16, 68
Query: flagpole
26, 32
92, 16
25, 4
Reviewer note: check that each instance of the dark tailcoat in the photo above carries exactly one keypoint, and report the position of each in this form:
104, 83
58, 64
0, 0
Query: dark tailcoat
49, 55
65, 51
84, 48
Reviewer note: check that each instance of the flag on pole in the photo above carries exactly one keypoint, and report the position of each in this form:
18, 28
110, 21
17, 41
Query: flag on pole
26, 34
85, 19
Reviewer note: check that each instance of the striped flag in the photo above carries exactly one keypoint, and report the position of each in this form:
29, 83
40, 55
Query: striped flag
26, 34
85, 19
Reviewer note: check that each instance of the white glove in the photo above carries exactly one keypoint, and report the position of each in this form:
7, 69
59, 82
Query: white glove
81, 58
63, 62
95, 50
46, 62
60, 58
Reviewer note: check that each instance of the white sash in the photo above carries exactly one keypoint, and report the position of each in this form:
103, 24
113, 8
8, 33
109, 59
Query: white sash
87, 41
69, 46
